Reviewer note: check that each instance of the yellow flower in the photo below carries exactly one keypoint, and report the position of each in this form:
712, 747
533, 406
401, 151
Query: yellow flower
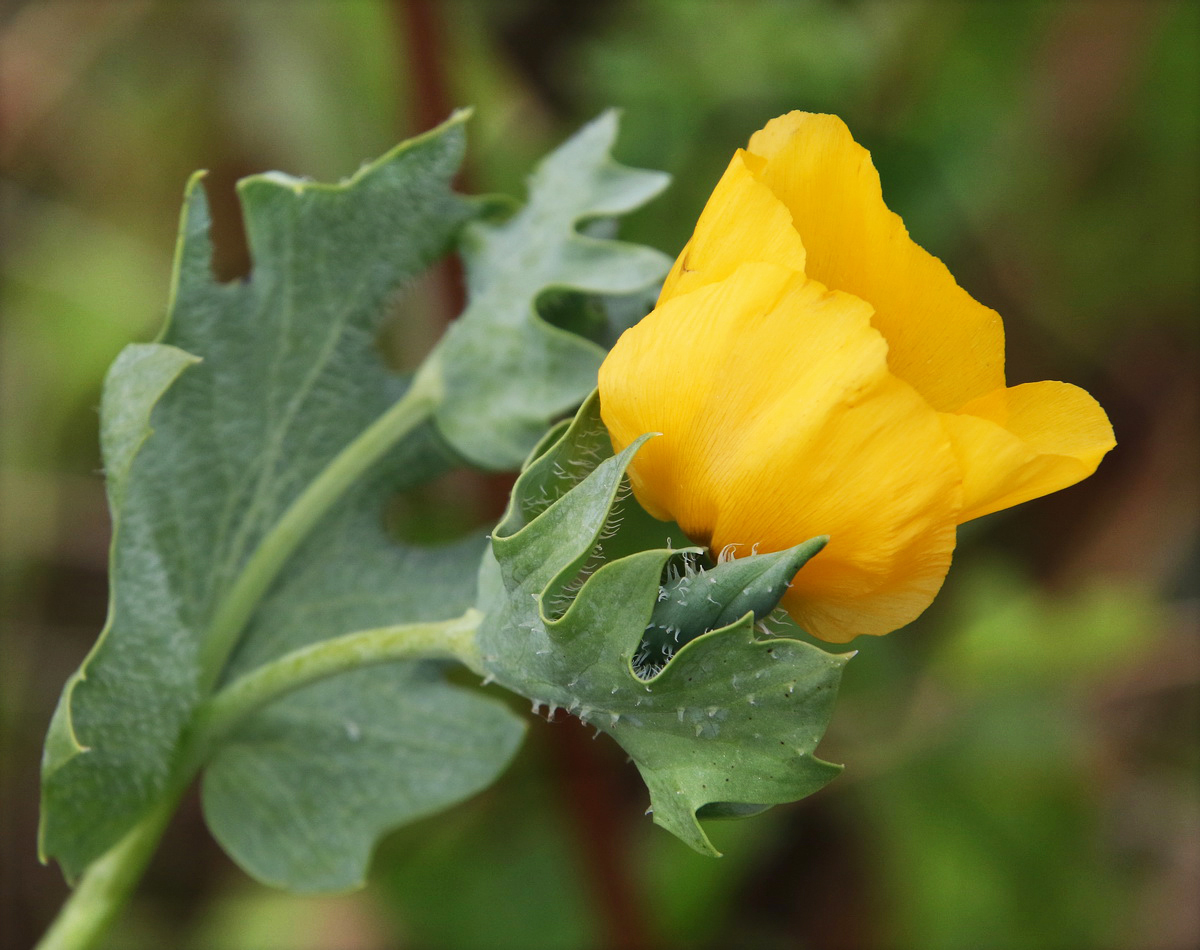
813, 371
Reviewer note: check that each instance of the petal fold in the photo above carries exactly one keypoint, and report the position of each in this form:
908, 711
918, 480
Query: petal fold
945, 344
742, 222
1020, 443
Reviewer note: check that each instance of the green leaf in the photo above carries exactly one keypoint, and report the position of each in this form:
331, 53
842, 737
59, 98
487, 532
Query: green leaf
288, 381
248, 497
387, 744
538, 371
352, 574
142, 680
729, 725
694, 600
135, 382
303, 789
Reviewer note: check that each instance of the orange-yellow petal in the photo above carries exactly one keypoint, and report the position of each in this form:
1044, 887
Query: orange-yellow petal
949, 347
742, 222
1024, 442
781, 422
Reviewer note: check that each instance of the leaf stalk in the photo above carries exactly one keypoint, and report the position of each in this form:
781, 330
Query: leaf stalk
446, 639
234, 611
108, 882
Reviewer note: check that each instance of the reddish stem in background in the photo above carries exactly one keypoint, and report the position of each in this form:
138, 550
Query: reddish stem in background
420, 34
586, 780
591, 800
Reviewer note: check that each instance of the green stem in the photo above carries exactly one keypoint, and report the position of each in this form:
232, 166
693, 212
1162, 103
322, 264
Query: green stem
108, 882
446, 639
232, 614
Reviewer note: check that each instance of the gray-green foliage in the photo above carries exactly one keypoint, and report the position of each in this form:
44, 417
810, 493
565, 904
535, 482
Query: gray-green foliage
694, 600
727, 726
256, 391
250, 455
537, 371
300, 792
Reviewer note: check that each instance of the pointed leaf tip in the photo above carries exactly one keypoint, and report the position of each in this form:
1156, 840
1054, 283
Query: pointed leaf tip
700, 599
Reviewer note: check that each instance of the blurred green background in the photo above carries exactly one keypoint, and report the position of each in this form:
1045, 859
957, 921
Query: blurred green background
1021, 763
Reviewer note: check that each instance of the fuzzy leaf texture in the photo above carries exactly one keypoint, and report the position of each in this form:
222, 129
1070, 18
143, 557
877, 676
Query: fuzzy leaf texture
730, 723
209, 436
537, 370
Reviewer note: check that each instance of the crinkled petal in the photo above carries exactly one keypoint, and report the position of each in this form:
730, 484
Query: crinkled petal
742, 222
949, 347
783, 422
1021, 443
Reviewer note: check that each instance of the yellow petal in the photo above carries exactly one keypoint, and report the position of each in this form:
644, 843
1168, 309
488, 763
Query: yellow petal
742, 222
781, 422
1024, 442
949, 347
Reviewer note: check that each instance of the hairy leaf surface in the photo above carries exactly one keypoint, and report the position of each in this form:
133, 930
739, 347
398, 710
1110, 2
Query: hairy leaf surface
216, 435
729, 725
538, 371
284, 374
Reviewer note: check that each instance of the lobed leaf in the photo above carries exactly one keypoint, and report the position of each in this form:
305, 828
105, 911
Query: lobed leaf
300, 793
283, 384
287, 374
537, 371
730, 723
